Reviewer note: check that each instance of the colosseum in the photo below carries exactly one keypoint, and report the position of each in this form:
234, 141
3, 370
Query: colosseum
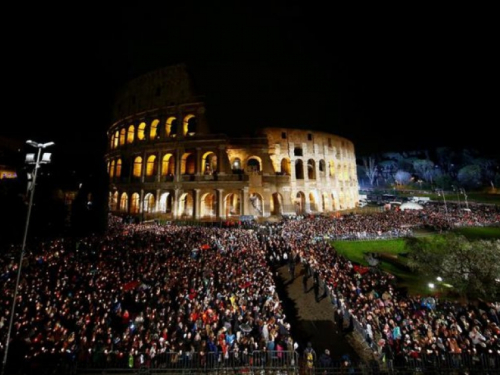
164, 162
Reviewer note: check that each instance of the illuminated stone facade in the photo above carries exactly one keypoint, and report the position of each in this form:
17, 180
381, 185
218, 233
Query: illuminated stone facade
163, 161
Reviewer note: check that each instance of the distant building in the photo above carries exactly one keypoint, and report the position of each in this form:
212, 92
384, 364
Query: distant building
163, 160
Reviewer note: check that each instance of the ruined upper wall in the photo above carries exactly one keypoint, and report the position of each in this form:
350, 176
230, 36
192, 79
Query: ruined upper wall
315, 141
168, 86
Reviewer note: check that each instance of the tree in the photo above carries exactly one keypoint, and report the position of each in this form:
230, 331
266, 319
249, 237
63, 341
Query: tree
470, 176
370, 169
471, 267
402, 177
424, 168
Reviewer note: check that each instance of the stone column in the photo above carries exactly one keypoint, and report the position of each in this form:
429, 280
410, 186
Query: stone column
220, 204
196, 204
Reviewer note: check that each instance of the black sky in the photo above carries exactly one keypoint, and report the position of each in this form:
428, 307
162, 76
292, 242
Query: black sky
388, 79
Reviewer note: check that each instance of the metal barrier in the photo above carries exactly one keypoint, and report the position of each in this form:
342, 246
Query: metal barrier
237, 362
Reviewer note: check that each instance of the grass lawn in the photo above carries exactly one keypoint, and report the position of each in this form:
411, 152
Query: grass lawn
394, 259
356, 250
478, 233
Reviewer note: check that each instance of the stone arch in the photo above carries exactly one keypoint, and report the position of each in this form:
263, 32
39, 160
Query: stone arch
311, 169
276, 204
112, 169
186, 206
300, 203
153, 129
130, 134
116, 139
325, 203
118, 172
113, 201
189, 125
209, 162
286, 167
208, 205
299, 169
236, 164
188, 163
151, 166
168, 165
124, 202
232, 205
148, 204
137, 166
166, 202
254, 164
331, 168
313, 202
122, 136
257, 204
141, 131
335, 201
135, 203
171, 127
322, 167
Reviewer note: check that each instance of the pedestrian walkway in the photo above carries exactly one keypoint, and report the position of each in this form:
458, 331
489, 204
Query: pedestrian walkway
314, 321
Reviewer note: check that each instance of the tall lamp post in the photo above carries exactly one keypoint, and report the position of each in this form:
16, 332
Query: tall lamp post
462, 190
37, 160
441, 191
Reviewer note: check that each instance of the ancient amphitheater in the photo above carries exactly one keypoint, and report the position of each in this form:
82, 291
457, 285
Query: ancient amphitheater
164, 161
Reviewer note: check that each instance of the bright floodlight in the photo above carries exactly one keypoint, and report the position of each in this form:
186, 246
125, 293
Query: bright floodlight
431, 285
439, 278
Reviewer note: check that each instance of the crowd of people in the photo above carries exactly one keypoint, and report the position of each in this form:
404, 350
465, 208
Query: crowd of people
141, 290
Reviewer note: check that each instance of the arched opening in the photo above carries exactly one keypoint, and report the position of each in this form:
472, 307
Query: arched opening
151, 166
188, 164
153, 130
322, 167
118, 168
113, 201
116, 139
299, 169
130, 134
286, 167
124, 203
253, 165
122, 136
311, 169
232, 205
149, 203
171, 127
168, 165
135, 203
332, 168
335, 202
112, 169
236, 165
300, 203
276, 204
325, 203
208, 205
141, 131
186, 206
166, 202
257, 204
313, 206
137, 167
209, 163
189, 125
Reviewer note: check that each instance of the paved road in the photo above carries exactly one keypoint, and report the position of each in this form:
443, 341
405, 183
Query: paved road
314, 321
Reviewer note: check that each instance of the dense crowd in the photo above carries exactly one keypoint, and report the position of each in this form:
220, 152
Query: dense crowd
141, 290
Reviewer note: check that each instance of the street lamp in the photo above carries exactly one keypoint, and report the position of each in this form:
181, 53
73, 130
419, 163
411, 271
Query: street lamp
462, 190
457, 190
30, 159
441, 191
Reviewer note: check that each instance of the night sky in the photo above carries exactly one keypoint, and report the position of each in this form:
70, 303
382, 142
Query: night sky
388, 79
